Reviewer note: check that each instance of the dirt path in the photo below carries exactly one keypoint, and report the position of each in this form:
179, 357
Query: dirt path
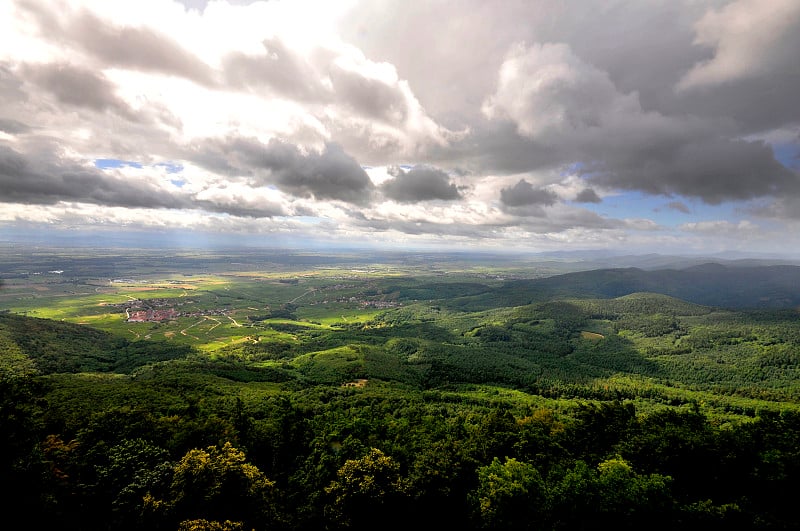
183, 332
216, 321
310, 290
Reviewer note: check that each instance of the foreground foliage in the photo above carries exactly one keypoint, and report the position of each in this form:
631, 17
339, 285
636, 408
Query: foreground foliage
321, 457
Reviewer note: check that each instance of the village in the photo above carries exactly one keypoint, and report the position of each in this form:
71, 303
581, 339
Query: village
160, 310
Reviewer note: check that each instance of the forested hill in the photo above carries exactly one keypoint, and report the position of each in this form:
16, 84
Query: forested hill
45, 346
707, 284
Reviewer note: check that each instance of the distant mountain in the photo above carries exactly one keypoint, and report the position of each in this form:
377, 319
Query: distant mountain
710, 284
590, 260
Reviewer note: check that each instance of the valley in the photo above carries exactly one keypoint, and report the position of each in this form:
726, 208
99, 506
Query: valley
435, 373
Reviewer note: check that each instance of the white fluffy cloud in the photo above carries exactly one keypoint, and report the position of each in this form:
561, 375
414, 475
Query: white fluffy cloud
547, 91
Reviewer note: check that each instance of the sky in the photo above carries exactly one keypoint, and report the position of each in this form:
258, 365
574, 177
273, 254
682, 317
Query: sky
530, 125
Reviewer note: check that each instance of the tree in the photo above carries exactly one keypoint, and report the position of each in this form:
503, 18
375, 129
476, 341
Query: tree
133, 468
22, 465
642, 500
210, 525
612, 495
217, 484
510, 495
366, 491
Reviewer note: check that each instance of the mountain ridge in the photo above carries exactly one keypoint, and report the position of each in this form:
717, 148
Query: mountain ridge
710, 284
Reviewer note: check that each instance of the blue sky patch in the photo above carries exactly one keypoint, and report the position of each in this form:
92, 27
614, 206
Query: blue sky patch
662, 209
171, 167
105, 164
788, 155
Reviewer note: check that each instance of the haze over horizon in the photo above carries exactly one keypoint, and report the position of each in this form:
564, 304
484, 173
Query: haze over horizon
657, 126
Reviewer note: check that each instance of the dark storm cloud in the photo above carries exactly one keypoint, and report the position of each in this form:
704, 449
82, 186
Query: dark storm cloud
43, 178
421, 183
524, 194
587, 195
138, 48
78, 86
329, 174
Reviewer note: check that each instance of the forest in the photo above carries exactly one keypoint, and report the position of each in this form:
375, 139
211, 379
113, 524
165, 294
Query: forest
350, 395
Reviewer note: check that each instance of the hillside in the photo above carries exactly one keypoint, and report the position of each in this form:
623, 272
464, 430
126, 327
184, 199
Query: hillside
332, 398
710, 284
645, 346
48, 347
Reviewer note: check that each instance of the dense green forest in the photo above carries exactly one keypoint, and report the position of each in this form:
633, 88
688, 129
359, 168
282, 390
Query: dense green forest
471, 403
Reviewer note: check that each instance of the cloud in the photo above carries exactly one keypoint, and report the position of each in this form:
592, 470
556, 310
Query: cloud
139, 48
749, 71
13, 127
43, 176
782, 208
364, 105
546, 89
327, 174
78, 86
587, 195
678, 206
524, 194
562, 219
278, 68
721, 227
244, 207
712, 169
749, 38
372, 97
535, 110
46, 178
420, 183
555, 98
